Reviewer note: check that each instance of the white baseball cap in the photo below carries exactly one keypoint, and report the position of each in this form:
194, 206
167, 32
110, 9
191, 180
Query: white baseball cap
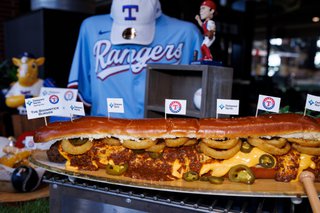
134, 21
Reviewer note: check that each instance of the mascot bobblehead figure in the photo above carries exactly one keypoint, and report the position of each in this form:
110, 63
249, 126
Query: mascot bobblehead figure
28, 84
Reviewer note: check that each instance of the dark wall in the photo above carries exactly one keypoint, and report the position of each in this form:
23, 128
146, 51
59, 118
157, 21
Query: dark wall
49, 33
8, 10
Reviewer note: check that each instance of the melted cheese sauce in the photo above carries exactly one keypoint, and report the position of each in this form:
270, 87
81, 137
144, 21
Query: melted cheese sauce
68, 163
219, 169
177, 168
105, 152
176, 171
305, 162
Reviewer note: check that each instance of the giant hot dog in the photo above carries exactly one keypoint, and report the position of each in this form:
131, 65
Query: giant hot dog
278, 146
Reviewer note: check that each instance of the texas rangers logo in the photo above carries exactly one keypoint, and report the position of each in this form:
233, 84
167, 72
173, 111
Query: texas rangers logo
53, 99
268, 103
110, 61
175, 106
68, 96
129, 9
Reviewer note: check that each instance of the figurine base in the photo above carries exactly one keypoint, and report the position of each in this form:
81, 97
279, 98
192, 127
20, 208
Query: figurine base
204, 62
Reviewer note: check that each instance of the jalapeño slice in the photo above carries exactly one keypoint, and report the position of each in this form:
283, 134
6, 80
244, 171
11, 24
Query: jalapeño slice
190, 176
241, 174
266, 161
116, 169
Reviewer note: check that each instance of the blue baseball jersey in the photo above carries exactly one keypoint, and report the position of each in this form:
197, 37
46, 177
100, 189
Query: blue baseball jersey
101, 70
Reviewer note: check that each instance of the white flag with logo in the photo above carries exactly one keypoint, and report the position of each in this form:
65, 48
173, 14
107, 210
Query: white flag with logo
115, 105
269, 103
313, 103
44, 106
228, 106
175, 106
75, 108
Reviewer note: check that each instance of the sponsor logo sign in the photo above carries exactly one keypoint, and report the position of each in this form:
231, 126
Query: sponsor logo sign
115, 105
313, 103
227, 106
75, 108
43, 106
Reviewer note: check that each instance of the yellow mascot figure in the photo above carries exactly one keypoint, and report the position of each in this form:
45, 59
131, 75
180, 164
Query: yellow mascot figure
28, 84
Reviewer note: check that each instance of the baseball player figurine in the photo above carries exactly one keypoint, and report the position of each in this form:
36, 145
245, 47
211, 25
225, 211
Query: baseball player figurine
207, 10
113, 51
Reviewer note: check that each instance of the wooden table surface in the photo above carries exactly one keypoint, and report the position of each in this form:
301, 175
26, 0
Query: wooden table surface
41, 192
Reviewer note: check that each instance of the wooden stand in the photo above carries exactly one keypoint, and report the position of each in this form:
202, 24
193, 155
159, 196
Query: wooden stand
181, 82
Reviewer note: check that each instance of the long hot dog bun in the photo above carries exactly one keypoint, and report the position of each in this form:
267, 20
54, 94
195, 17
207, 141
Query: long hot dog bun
295, 125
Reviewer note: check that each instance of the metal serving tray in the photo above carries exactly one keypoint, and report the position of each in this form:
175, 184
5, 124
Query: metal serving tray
261, 187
